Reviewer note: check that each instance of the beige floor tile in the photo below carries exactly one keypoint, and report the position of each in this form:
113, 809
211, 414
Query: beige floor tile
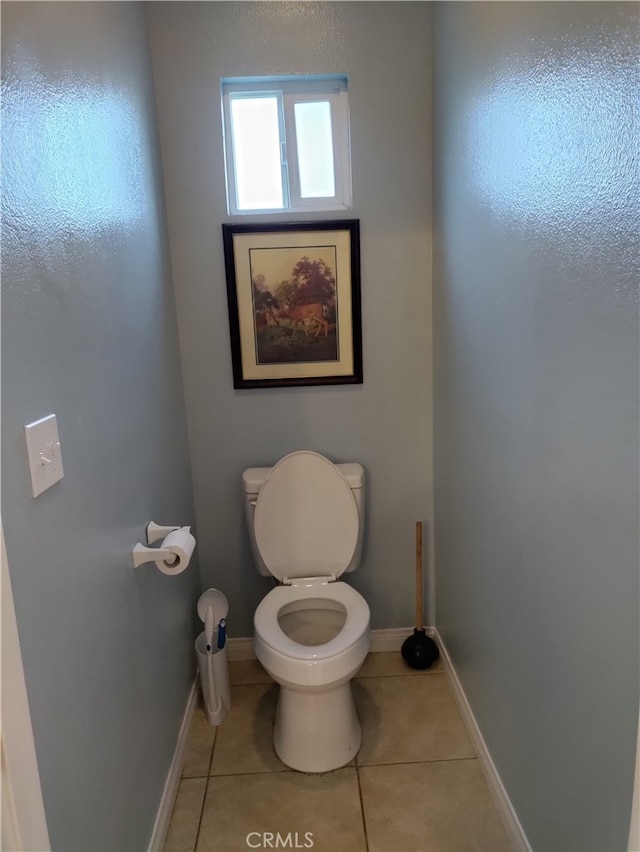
247, 671
244, 742
183, 829
409, 719
391, 663
289, 803
430, 807
200, 745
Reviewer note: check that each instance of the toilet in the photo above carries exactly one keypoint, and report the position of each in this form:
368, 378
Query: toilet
311, 633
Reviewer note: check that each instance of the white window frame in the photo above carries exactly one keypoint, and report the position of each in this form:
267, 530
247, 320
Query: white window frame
289, 92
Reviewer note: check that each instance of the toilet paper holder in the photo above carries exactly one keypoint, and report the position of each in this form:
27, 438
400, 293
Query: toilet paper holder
156, 532
142, 554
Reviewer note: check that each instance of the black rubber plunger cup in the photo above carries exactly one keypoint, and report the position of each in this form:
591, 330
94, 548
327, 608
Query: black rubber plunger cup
419, 650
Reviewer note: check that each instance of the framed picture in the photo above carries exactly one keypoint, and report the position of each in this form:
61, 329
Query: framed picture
294, 303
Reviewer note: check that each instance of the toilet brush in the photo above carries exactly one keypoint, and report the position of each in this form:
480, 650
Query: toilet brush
418, 650
214, 703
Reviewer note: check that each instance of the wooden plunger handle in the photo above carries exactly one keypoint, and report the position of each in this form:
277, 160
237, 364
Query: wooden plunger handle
419, 574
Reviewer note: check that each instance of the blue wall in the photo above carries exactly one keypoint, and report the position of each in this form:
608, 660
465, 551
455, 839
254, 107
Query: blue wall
385, 423
537, 203
89, 333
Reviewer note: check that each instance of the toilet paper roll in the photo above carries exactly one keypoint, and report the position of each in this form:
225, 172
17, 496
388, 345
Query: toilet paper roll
181, 544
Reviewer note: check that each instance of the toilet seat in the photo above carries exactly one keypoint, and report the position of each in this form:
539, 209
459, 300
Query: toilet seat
267, 626
306, 519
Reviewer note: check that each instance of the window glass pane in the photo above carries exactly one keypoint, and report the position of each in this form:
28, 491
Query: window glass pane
315, 149
256, 152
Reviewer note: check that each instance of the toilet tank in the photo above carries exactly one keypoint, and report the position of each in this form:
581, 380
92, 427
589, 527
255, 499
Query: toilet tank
254, 477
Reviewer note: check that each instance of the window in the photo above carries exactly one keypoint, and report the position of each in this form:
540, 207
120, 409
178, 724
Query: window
286, 144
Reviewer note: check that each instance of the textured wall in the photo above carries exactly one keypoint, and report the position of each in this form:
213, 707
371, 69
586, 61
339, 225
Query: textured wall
536, 399
89, 332
386, 423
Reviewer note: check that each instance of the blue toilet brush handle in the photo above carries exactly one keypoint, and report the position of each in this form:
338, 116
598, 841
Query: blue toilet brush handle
222, 633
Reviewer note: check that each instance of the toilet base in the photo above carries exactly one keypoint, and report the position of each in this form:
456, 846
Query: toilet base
317, 732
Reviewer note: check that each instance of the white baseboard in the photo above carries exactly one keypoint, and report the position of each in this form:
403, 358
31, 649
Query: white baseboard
241, 648
165, 810
498, 791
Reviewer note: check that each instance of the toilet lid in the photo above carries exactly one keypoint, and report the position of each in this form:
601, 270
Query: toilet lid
306, 518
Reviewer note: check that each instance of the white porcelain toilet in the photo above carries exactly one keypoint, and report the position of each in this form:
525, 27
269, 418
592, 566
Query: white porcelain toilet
305, 517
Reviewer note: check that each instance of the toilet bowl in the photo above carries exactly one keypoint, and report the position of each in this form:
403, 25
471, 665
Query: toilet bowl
312, 632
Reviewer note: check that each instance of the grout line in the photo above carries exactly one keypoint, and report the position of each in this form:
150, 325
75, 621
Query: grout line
419, 762
204, 799
401, 674
355, 766
356, 763
285, 771
213, 746
266, 772
206, 788
364, 821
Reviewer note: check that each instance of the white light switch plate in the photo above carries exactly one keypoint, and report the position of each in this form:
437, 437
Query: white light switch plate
43, 453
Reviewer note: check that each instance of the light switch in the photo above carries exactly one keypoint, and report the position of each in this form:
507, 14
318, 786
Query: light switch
43, 453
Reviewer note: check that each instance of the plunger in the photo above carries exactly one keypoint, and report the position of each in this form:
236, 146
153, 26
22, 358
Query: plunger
419, 650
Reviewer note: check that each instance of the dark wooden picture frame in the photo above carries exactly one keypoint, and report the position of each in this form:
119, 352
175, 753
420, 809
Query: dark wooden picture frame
293, 291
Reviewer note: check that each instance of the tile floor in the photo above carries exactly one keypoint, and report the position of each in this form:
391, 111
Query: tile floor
415, 784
